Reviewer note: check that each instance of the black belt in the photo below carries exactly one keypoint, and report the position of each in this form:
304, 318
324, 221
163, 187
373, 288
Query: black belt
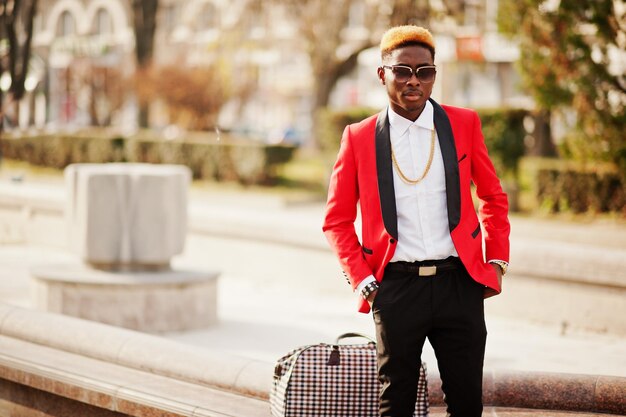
425, 268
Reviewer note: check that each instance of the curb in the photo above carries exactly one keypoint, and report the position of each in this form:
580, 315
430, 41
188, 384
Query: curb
137, 350
546, 391
252, 378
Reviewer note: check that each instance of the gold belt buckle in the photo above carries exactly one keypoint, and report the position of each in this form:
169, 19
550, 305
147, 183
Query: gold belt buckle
427, 271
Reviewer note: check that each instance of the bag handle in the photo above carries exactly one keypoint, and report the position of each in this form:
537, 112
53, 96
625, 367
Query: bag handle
353, 334
334, 358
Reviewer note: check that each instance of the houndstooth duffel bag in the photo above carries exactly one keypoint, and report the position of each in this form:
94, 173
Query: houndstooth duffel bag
333, 381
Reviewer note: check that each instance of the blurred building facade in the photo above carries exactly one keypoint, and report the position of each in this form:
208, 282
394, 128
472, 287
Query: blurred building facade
83, 56
85, 49
475, 65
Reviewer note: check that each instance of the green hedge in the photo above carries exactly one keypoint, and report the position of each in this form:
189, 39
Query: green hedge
504, 136
209, 157
333, 122
554, 185
566, 186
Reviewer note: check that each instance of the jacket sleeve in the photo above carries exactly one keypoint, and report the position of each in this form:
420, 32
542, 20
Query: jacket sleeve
341, 211
493, 203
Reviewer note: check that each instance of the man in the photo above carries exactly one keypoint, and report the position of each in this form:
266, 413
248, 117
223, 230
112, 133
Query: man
420, 263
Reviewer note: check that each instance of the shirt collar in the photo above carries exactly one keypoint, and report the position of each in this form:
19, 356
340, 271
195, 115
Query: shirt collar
400, 125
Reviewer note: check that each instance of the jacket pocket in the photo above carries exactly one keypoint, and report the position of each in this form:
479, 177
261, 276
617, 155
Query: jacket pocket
476, 231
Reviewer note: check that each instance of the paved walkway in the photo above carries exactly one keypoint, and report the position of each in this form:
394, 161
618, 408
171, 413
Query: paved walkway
281, 287
281, 295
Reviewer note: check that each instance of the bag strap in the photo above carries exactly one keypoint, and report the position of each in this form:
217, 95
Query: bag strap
353, 334
334, 359
293, 358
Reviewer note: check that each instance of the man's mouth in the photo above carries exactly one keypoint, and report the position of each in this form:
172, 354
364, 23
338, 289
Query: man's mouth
412, 94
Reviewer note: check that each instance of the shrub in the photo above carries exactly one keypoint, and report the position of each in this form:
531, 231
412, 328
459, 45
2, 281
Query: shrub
566, 186
333, 122
504, 136
226, 159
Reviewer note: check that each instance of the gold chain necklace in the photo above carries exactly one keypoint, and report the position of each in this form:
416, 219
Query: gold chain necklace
430, 161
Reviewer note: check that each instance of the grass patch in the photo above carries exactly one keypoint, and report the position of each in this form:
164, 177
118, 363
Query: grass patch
307, 171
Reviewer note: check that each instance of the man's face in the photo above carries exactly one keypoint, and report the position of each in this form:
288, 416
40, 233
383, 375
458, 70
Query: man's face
407, 98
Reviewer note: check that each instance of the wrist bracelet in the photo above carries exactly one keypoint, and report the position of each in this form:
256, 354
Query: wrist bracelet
503, 266
369, 289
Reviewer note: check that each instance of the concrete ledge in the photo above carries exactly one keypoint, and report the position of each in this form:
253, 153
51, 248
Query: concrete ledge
438, 411
137, 351
32, 214
35, 377
547, 391
569, 262
101, 364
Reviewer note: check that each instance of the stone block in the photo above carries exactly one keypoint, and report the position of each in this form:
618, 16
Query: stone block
158, 301
127, 216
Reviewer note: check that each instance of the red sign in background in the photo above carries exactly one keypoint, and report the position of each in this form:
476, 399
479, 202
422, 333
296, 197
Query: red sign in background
469, 48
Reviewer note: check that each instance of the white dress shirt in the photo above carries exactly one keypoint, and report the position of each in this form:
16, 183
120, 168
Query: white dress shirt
422, 210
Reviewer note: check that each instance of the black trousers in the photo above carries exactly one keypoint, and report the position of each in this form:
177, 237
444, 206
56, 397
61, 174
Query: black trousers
448, 310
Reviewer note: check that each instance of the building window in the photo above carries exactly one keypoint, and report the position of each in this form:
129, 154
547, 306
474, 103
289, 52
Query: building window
66, 25
103, 24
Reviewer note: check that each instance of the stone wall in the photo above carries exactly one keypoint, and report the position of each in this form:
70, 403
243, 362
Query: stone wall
83, 366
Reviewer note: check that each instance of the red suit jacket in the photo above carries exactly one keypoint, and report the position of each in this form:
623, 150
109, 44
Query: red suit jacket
363, 174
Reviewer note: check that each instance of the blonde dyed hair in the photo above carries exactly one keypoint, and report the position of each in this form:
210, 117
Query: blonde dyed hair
401, 36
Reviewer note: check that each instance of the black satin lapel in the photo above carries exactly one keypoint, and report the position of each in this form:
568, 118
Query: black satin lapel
450, 164
386, 191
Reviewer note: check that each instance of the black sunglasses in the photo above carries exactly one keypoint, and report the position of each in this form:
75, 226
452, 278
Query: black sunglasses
403, 73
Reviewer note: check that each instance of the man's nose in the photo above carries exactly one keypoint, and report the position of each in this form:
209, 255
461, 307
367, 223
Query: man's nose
413, 80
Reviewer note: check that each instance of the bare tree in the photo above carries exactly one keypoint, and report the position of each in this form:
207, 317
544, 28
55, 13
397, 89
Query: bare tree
193, 92
192, 96
16, 33
144, 23
106, 88
323, 33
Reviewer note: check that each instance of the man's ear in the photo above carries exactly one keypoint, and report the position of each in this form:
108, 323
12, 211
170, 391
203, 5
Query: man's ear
381, 75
